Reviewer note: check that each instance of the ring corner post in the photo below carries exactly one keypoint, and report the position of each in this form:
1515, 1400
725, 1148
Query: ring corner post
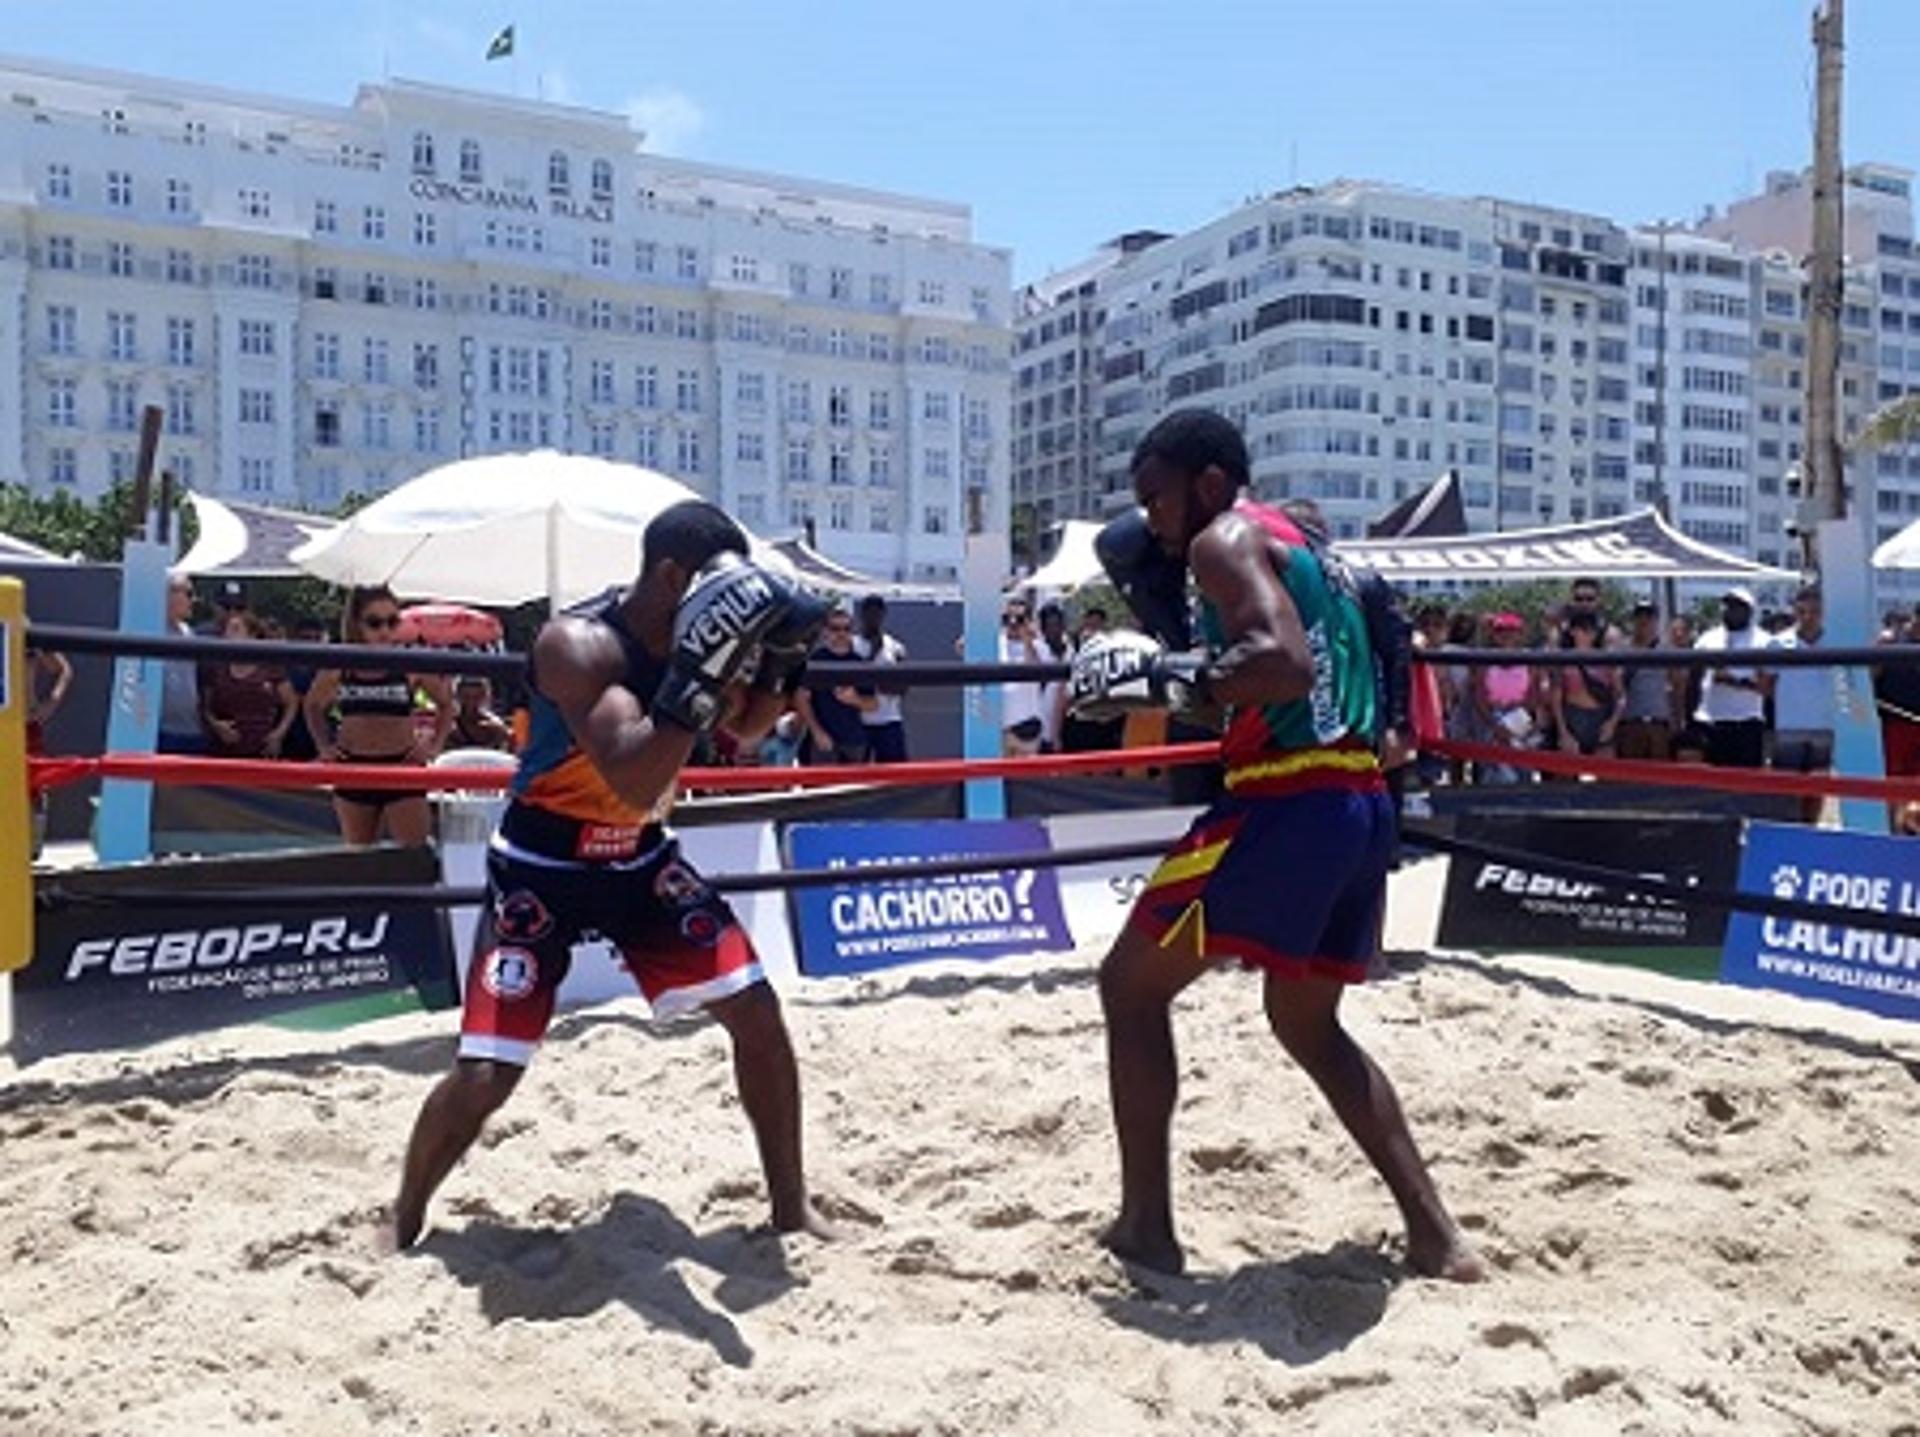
983, 569
123, 832
16, 828
1846, 587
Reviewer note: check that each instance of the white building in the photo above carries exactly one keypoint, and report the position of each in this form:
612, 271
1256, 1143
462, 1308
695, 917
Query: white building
327, 300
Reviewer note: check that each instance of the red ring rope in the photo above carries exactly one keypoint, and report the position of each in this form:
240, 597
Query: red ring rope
1684, 775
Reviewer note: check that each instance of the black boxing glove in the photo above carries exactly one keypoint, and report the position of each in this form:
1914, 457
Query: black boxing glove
1151, 580
784, 649
726, 612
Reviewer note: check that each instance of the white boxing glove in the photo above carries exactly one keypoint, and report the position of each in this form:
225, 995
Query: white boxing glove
1116, 672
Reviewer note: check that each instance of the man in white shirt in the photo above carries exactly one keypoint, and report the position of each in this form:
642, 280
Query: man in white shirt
1803, 703
1733, 697
885, 725
1021, 723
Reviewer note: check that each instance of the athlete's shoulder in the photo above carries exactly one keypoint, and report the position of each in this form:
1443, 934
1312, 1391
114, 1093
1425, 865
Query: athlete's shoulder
576, 654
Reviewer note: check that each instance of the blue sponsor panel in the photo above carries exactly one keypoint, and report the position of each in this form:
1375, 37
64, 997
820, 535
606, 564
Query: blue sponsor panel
1876, 971
858, 926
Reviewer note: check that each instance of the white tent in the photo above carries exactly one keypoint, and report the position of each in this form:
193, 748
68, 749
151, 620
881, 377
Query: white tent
501, 530
1074, 561
19, 551
238, 540
1902, 551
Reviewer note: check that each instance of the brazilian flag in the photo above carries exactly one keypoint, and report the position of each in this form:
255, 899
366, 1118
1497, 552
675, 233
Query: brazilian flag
501, 45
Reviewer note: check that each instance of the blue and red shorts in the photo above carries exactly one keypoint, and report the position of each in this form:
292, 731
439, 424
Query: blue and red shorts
1293, 884
677, 937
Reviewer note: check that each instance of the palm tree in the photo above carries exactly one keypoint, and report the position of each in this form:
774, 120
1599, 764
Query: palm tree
1889, 426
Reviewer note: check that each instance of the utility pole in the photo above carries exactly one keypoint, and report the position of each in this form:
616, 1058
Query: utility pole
1663, 502
1825, 465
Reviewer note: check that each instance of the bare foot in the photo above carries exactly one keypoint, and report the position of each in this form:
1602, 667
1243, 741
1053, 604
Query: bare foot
805, 1218
1157, 1251
404, 1231
1446, 1255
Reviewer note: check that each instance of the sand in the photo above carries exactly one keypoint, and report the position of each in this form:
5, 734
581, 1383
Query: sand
1702, 1209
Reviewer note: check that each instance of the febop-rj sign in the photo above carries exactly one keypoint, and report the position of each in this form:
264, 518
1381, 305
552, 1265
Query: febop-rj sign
867, 924
1863, 969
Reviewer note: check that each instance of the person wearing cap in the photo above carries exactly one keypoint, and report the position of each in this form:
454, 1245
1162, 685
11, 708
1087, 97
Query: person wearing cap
1649, 718
1504, 699
1803, 703
1733, 697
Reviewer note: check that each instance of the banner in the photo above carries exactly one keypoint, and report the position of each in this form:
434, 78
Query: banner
1099, 896
109, 974
1633, 546
1509, 907
1876, 971
857, 927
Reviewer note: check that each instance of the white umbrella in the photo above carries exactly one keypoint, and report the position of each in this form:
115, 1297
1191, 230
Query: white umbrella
1902, 551
1074, 561
503, 529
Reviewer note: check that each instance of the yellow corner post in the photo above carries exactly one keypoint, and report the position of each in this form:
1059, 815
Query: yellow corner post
16, 820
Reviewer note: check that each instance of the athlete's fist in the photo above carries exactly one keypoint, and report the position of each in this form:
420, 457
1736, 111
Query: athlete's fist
726, 612
1116, 672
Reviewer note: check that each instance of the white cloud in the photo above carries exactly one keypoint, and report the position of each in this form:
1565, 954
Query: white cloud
671, 119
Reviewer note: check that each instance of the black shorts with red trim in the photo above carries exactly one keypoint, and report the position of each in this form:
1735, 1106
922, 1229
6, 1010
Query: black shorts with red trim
678, 938
1292, 884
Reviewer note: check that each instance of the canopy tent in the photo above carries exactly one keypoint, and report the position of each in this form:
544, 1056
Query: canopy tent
1641, 545
1074, 561
1902, 551
1436, 512
817, 569
502, 530
19, 551
238, 540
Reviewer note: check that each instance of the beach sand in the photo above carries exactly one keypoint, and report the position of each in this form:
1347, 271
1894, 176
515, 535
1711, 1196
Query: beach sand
1702, 1210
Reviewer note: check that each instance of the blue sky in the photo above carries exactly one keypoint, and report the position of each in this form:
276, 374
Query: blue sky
1063, 123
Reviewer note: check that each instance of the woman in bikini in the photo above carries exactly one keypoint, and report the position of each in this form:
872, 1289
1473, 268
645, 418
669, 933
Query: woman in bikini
1583, 696
375, 711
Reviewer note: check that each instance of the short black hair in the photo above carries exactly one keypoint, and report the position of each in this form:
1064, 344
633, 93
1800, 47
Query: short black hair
1192, 440
690, 533
873, 603
1094, 611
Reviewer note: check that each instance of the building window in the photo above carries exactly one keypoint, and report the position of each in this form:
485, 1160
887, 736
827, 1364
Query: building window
426, 232
686, 324
373, 222
750, 390
376, 425
600, 252
59, 182
63, 466
63, 329
840, 405
255, 271
179, 409
933, 294
646, 319
600, 314
879, 348
426, 366
426, 431
686, 391
470, 172
326, 217
880, 518
601, 181
935, 519
937, 464
752, 509
375, 291
600, 382
798, 277
326, 282
120, 336
687, 451
880, 409
423, 163
646, 255
123, 404
179, 341
179, 266
879, 289
426, 294
750, 447
326, 424
119, 259
686, 262
373, 361
559, 175
937, 407
744, 268
839, 464
256, 475
256, 406
646, 446
62, 404
256, 336
326, 356
60, 252
799, 469
840, 283
646, 386
120, 189
799, 401
840, 513
880, 466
